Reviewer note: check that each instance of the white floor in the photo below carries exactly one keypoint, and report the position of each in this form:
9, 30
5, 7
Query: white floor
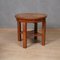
10, 49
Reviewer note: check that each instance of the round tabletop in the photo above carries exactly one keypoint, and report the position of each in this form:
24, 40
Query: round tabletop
30, 16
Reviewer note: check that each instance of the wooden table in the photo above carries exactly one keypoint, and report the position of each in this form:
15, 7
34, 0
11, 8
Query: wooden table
31, 18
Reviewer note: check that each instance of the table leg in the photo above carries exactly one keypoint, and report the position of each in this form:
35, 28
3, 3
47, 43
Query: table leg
43, 31
19, 30
24, 35
35, 32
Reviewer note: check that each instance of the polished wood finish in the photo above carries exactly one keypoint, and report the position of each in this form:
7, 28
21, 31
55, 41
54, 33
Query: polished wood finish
43, 31
19, 30
35, 31
31, 18
24, 35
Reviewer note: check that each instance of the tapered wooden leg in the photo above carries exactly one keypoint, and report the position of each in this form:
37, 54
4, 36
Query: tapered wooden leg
43, 31
19, 30
24, 35
35, 31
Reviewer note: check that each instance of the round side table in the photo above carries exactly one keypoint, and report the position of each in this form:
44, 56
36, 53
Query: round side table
31, 18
